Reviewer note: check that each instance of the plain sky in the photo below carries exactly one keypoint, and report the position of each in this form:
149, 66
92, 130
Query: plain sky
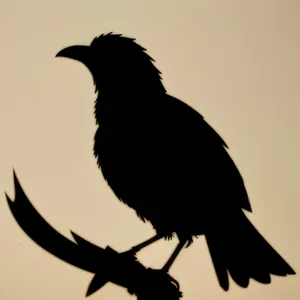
237, 62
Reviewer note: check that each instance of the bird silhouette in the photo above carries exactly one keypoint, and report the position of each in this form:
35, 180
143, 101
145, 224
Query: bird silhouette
162, 159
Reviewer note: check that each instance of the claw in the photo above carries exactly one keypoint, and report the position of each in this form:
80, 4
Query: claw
129, 253
190, 241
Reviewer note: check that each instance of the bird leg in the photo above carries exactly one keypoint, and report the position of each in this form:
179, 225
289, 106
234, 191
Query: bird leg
144, 244
174, 255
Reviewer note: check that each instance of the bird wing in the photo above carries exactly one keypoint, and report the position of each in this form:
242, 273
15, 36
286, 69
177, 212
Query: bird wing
189, 155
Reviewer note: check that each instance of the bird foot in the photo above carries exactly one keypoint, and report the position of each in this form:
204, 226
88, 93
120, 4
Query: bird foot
165, 269
164, 275
129, 253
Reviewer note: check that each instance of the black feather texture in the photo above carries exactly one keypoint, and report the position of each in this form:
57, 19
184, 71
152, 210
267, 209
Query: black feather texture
164, 160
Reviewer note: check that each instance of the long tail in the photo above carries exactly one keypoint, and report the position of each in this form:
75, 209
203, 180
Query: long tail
238, 248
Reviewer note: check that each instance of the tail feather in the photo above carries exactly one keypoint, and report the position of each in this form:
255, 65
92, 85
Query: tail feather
216, 252
237, 248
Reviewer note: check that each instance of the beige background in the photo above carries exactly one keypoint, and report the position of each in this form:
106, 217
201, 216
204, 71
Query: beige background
236, 62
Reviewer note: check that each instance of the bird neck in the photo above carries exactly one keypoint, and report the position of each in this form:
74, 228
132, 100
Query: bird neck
111, 107
115, 108
129, 84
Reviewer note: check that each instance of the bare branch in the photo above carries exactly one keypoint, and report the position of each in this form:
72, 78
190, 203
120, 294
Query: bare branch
107, 264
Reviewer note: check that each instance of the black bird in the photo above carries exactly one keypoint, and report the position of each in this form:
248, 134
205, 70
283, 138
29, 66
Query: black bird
162, 159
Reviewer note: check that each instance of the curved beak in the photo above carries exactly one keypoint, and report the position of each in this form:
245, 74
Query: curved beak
79, 52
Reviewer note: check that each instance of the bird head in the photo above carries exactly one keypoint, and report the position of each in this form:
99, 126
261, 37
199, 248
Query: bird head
117, 63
